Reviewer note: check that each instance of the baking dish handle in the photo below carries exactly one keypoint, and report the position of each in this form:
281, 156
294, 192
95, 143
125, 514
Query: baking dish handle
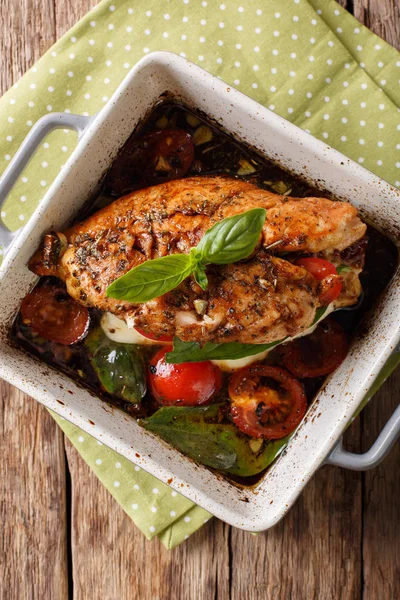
24, 153
381, 447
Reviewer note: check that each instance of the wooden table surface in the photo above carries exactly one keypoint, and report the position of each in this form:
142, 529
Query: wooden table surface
59, 539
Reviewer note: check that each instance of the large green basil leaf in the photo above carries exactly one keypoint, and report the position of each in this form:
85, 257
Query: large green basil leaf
228, 241
197, 433
152, 278
192, 351
119, 367
233, 238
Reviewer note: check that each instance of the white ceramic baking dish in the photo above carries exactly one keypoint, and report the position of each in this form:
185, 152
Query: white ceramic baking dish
100, 139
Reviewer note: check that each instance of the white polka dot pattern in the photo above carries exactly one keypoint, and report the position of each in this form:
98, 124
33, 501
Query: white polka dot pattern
283, 66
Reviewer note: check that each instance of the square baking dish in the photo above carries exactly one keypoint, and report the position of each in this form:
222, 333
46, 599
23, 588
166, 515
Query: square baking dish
165, 75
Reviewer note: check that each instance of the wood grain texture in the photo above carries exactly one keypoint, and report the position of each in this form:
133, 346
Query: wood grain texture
340, 540
27, 31
381, 503
33, 544
113, 559
382, 17
315, 551
68, 12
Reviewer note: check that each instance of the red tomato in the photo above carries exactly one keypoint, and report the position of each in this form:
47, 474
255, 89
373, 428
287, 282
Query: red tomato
267, 402
149, 336
316, 354
330, 288
187, 384
54, 315
319, 267
159, 156
325, 272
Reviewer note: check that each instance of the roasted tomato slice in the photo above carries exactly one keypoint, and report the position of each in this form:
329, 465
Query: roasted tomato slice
54, 315
316, 354
187, 384
267, 402
149, 336
159, 156
325, 272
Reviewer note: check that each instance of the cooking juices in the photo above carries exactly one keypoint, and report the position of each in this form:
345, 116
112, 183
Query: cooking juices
126, 374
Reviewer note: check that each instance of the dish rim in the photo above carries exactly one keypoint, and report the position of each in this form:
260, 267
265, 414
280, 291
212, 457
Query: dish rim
181, 67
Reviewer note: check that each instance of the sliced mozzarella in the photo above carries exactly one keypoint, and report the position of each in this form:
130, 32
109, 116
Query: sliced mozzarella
239, 363
118, 331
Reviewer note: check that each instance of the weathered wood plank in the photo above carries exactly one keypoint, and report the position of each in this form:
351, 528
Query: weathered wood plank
33, 542
68, 12
27, 31
314, 552
32, 490
381, 486
381, 505
382, 16
112, 558
346, 4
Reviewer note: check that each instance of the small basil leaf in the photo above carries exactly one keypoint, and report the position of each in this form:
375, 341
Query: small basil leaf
119, 367
343, 269
192, 351
200, 276
152, 278
319, 313
198, 433
233, 238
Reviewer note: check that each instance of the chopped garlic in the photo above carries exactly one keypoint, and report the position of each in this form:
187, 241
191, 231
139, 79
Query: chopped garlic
192, 120
200, 306
202, 135
245, 167
280, 187
255, 445
162, 122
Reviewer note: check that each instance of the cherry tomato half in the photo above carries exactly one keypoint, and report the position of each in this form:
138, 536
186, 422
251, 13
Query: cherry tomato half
149, 336
330, 288
54, 315
325, 272
316, 354
187, 384
267, 402
159, 156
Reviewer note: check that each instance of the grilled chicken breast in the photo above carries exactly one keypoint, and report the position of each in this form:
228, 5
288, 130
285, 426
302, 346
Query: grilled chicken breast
257, 301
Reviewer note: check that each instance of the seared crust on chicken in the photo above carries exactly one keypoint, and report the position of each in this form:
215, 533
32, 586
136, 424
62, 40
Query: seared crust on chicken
258, 301
265, 299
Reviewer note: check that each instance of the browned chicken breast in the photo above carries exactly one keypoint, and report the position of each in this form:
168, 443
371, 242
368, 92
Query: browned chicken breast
257, 301
262, 300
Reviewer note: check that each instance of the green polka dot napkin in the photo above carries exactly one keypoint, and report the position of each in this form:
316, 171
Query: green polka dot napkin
308, 60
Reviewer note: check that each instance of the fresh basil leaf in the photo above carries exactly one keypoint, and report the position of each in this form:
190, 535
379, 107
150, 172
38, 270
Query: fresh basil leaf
319, 313
192, 351
120, 367
200, 276
233, 238
198, 433
152, 278
343, 269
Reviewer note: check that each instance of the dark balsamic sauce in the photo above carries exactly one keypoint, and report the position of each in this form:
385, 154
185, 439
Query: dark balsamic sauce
220, 155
